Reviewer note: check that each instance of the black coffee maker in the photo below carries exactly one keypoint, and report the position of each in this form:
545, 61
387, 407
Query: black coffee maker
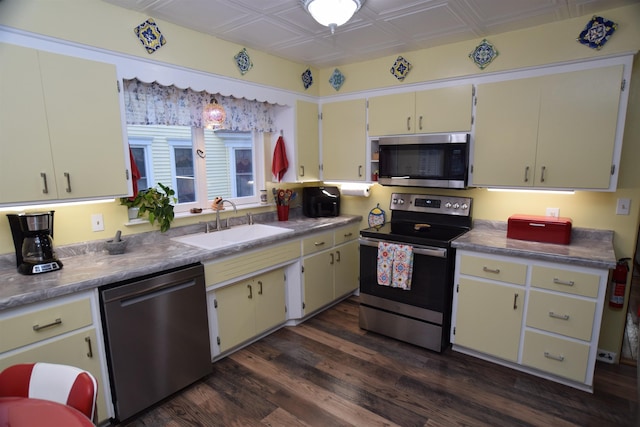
32, 238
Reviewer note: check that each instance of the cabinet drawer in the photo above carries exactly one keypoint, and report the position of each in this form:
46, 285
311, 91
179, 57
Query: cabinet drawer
560, 314
555, 355
23, 329
558, 279
237, 266
504, 271
347, 233
317, 243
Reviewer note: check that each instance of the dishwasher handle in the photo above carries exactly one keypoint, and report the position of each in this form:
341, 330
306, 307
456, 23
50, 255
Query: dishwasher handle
151, 285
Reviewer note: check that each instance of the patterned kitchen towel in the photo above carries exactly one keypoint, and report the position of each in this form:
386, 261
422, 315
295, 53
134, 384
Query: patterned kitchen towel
402, 267
385, 263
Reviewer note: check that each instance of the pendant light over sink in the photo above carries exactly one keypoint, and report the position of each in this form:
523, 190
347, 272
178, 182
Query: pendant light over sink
332, 13
213, 115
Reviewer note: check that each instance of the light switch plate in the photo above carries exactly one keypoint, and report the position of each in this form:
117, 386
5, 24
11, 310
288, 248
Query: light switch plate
623, 206
554, 212
97, 222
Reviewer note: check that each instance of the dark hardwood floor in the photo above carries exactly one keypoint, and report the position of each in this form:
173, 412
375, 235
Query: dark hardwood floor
329, 372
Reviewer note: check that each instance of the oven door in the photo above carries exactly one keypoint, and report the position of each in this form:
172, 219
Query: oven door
431, 282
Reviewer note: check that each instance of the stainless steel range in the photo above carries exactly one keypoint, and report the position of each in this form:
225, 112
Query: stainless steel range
421, 314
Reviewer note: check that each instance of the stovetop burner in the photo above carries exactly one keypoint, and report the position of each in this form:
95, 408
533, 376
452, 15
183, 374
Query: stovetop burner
424, 219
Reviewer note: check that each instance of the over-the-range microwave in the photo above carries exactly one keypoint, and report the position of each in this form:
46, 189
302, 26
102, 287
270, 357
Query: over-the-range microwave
433, 160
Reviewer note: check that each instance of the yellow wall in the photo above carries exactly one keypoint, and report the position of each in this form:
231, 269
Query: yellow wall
96, 23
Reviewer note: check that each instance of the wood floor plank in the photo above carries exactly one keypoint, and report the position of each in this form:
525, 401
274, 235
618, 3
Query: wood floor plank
328, 372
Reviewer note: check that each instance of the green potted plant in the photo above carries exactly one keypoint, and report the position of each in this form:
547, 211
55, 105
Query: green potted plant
156, 202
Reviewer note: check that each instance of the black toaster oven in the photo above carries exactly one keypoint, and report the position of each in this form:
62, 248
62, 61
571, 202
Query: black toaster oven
320, 201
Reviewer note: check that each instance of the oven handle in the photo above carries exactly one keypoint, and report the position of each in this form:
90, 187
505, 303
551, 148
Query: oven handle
417, 249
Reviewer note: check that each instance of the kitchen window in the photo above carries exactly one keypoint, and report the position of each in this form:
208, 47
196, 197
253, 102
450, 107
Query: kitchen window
199, 164
165, 130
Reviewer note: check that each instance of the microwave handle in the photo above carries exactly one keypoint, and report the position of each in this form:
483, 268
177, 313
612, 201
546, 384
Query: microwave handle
401, 177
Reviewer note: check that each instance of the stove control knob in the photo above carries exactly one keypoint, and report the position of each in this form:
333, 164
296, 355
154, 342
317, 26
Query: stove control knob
456, 205
464, 206
401, 201
447, 205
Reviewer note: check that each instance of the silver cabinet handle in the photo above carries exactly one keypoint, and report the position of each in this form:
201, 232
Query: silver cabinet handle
543, 170
250, 292
491, 270
45, 189
259, 287
88, 341
526, 174
515, 301
332, 259
56, 322
563, 282
301, 170
420, 123
359, 170
548, 355
408, 123
348, 234
558, 316
318, 243
68, 176
337, 256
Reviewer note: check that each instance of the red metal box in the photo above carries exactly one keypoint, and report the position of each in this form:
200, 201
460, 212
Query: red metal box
539, 229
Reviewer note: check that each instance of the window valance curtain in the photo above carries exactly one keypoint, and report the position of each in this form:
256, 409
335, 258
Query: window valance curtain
155, 104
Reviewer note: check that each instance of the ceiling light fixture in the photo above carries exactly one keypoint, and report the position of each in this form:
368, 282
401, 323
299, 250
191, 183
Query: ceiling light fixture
213, 115
332, 13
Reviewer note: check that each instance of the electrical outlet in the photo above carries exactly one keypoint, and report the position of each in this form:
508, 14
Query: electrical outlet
97, 222
606, 356
554, 212
622, 208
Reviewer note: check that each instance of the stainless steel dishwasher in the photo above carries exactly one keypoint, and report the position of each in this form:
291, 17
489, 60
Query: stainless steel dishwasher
157, 337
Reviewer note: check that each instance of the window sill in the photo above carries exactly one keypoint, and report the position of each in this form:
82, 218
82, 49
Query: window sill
187, 214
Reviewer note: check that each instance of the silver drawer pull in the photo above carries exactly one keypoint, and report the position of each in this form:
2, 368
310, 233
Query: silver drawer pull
491, 270
553, 356
56, 322
515, 301
318, 243
563, 282
558, 316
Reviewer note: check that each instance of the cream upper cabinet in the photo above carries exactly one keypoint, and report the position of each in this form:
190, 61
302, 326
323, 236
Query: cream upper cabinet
556, 131
344, 140
429, 111
68, 120
307, 141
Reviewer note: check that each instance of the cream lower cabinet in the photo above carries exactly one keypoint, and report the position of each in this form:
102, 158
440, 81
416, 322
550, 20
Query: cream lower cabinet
329, 267
540, 317
557, 131
64, 112
249, 307
58, 331
344, 140
247, 294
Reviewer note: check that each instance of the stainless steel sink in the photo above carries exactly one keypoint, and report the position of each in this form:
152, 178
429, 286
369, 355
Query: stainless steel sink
231, 236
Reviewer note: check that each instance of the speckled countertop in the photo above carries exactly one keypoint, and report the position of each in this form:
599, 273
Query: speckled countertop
88, 266
588, 247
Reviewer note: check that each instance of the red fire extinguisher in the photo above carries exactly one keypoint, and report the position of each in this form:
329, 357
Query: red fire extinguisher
619, 279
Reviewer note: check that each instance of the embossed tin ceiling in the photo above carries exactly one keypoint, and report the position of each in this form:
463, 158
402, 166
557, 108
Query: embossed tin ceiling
380, 28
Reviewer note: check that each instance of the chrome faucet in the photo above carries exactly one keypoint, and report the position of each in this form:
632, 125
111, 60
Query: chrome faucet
235, 210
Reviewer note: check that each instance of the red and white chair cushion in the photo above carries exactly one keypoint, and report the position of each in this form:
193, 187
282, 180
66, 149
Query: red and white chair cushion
58, 383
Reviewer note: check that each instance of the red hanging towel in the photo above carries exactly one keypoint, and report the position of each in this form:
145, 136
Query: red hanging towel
135, 174
280, 164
